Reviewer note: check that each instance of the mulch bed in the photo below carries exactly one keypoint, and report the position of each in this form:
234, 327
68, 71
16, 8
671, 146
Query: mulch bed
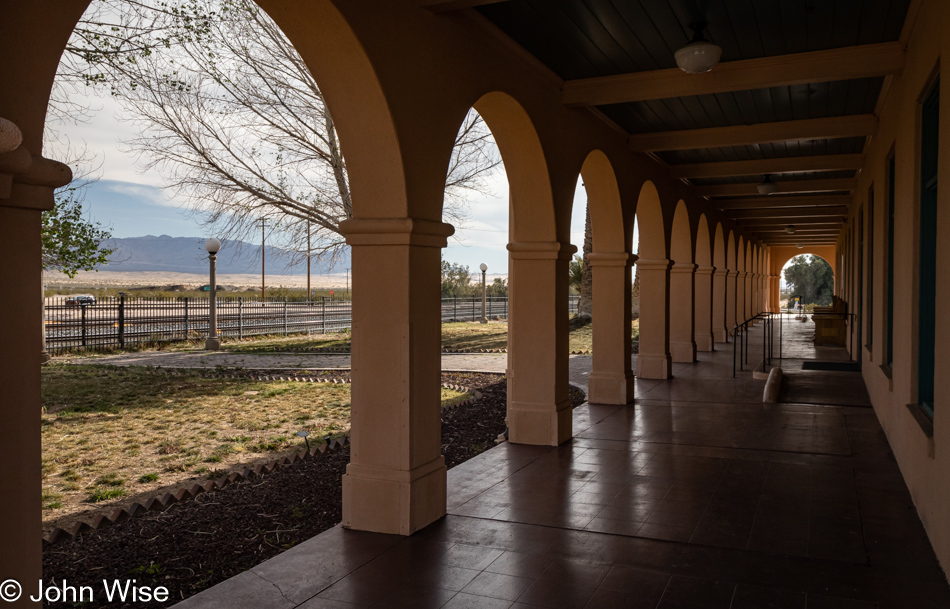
196, 544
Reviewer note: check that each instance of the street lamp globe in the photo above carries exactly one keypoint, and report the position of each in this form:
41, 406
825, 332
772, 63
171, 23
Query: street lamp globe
483, 267
212, 245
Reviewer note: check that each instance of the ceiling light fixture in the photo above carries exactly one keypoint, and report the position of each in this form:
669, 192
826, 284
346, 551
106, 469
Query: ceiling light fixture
790, 229
699, 55
767, 186
800, 245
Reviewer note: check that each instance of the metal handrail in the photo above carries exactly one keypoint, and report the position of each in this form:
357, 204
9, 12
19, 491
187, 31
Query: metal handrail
741, 343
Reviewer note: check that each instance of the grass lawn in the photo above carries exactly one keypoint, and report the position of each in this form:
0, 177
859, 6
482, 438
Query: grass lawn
461, 336
115, 432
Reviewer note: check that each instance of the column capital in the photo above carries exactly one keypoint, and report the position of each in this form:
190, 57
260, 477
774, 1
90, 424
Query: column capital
706, 270
541, 250
722, 272
35, 178
396, 231
683, 267
597, 259
653, 264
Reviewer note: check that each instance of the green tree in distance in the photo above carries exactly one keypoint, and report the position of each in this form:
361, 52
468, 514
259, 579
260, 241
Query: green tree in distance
71, 243
811, 279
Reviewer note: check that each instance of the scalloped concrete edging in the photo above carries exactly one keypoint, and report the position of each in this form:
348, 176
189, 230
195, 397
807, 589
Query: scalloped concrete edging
161, 502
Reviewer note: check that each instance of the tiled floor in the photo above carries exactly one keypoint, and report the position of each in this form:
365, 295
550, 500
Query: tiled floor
697, 495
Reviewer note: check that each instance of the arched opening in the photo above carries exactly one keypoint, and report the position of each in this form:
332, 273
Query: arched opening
653, 360
720, 331
396, 398
741, 277
682, 343
779, 258
809, 280
703, 288
732, 283
538, 332
611, 378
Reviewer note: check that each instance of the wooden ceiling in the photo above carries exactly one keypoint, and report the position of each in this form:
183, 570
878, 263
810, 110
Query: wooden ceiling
796, 95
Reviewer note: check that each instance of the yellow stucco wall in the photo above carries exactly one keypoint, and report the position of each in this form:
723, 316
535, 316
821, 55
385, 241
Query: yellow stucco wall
925, 465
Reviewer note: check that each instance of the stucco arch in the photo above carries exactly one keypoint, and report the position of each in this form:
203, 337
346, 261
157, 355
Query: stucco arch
719, 248
681, 238
603, 200
529, 183
703, 255
682, 323
649, 214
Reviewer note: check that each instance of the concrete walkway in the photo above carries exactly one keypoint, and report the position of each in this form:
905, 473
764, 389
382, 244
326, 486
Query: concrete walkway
580, 365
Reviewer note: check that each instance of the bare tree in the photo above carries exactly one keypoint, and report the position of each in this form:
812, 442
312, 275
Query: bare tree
228, 113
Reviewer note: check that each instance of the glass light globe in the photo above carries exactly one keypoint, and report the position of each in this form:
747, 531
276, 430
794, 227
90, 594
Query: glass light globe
698, 57
212, 245
483, 267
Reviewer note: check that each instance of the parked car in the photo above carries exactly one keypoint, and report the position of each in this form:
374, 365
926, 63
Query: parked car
80, 301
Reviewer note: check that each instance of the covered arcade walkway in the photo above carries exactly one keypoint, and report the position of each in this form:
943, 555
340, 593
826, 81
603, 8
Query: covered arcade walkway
696, 496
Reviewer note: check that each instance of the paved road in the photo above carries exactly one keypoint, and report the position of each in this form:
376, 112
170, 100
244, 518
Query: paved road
580, 365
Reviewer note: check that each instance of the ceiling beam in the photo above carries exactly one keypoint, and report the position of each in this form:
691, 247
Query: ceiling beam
748, 188
833, 227
788, 212
795, 220
798, 164
859, 125
442, 6
774, 202
847, 63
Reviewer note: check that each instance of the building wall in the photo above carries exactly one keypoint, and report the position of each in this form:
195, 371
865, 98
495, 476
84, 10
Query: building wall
924, 461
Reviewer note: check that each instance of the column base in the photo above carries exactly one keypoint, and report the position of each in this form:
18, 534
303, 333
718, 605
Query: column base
371, 496
654, 366
540, 424
683, 352
720, 335
704, 342
610, 388
213, 344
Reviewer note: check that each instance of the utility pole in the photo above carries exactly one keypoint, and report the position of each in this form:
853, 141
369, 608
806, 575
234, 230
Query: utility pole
262, 260
308, 260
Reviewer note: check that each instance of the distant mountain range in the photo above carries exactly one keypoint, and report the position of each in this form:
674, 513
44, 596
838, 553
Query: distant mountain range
188, 255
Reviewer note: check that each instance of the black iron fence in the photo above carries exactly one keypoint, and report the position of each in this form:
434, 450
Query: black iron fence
119, 322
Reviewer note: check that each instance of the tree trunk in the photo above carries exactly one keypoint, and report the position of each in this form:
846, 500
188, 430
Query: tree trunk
584, 303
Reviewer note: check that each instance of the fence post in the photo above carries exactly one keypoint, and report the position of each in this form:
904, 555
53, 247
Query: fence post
83, 307
455, 308
121, 321
285, 316
323, 316
240, 317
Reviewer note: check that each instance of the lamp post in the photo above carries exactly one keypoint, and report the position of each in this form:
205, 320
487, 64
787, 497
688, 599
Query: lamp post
484, 268
213, 343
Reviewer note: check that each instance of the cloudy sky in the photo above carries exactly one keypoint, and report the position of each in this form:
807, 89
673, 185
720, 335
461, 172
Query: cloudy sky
133, 203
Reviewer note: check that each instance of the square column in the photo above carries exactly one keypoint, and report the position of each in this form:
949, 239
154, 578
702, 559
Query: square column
611, 379
395, 481
703, 307
539, 406
654, 360
682, 346
720, 328
732, 282
750, 295
27, 184
741, 312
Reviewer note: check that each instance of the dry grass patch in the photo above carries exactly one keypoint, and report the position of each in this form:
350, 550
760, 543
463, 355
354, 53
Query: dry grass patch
111, 432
